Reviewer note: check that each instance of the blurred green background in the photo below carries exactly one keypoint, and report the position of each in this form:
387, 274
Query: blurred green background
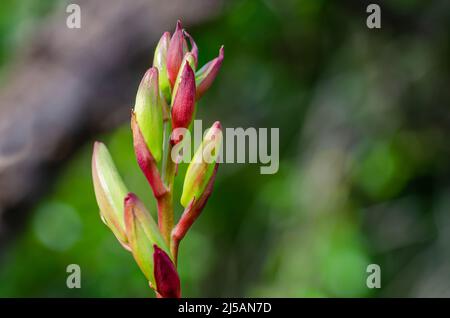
364, 162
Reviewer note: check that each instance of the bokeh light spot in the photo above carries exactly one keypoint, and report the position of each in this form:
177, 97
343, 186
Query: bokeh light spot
57, 226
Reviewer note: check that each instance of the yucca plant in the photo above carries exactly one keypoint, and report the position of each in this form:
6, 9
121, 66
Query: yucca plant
164, 109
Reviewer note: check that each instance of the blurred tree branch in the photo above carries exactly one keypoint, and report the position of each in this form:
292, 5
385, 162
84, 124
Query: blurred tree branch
69, 84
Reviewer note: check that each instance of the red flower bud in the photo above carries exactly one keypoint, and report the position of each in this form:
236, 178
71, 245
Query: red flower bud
166, 276
175, 53
206, 75
183, 102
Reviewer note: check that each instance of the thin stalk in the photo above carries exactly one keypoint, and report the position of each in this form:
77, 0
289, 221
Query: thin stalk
174, 244
166, 144
165, 202
165, 215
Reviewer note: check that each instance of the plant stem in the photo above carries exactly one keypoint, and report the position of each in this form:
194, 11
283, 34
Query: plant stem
165, 215
165, 202
174, 244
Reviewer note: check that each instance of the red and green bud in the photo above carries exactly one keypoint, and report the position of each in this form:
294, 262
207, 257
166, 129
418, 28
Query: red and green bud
160, 62
207, 74
142, 233
148, 112
145, 160
109, 191
203, 166
175, 53
166, 276
183, 99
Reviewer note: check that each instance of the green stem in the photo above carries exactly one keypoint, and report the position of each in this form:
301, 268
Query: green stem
165, 216
165, 202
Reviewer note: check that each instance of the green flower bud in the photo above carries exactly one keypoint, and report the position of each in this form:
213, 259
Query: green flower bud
142, 233
160, 62
203, 165
148, 111
109, 191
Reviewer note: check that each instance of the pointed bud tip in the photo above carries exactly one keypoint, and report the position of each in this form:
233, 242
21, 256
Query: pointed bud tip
187, 67
149, 75
217, 125
97, 145
190, 59
157, 250
150, 78
179, 27
215, 130
130, 198
95, 150
98, 151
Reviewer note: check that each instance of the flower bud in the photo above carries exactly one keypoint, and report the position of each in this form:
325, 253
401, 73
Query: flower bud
175, 53
194, 49
166, 276
148, 111
142, 233
145, 160
203, 165
183, 102
206, 75
160, 62
109, 191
